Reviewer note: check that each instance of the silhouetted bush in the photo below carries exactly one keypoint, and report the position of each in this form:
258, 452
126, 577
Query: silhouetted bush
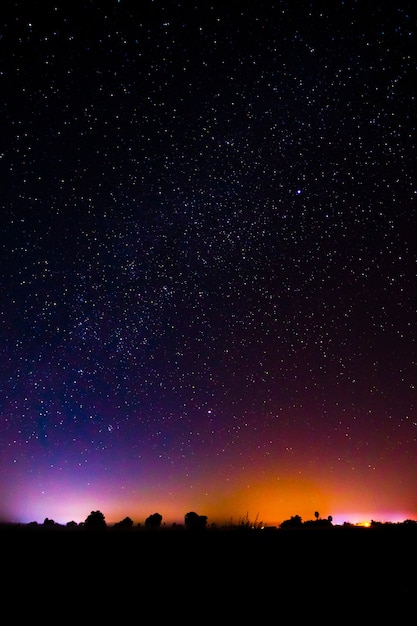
71, 524
295, 521
124, 524
319, 522
193, 521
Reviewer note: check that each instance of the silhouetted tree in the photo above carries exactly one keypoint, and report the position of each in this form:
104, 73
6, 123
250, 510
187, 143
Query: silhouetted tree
95, 521
318, 522
71, 524
153, 521
193, 521
48, 522
317, 515
295, 521
124, 524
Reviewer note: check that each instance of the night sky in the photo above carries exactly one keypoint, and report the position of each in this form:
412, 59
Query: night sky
208, 260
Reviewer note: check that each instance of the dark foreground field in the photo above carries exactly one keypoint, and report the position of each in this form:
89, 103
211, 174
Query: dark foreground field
215, 576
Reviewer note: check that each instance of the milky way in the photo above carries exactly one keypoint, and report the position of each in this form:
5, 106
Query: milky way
208, 260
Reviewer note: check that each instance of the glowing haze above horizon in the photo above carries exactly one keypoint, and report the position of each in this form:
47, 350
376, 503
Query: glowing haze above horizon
208, 261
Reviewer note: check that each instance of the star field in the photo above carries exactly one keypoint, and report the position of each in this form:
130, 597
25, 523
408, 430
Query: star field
208, 260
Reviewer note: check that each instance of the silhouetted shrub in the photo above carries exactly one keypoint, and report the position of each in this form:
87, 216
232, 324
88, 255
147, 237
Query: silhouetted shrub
295, 521
245, 523
124, 524
193, 521
71, 524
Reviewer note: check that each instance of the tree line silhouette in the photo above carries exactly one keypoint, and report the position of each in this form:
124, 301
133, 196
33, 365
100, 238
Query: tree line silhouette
195, 522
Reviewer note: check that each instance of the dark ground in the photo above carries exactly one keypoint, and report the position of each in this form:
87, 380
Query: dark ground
215, 576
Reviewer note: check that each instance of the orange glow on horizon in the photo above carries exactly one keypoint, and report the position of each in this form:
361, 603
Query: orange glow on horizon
255, 497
